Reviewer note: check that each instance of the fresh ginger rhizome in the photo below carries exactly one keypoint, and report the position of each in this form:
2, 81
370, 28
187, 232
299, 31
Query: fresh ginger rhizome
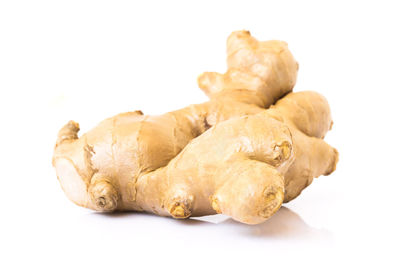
251, 147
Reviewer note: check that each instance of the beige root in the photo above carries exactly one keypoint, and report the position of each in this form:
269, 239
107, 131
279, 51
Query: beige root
254, 66
228, 155
250, 165
100, 170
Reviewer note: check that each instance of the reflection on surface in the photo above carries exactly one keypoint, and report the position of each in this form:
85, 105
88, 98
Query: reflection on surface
284, 224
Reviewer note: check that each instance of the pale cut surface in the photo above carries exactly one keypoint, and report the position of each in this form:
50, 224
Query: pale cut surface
71, 182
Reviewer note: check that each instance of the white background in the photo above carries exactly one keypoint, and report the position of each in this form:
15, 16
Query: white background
88, 60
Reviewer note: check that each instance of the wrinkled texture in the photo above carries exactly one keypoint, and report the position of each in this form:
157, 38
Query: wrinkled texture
228, 155
248, 166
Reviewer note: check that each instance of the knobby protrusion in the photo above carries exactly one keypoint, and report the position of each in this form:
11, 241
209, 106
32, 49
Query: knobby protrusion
68, 132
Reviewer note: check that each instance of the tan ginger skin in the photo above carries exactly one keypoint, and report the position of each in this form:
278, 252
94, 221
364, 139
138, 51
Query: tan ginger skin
244, 167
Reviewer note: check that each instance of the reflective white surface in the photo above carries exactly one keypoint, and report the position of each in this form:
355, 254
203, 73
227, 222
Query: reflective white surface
88, 60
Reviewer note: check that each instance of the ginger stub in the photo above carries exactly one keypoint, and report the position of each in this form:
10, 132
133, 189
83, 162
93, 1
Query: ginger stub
230, 155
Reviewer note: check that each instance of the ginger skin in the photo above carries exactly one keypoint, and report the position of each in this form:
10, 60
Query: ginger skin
252, 164
253, 66
101, 169
230, 155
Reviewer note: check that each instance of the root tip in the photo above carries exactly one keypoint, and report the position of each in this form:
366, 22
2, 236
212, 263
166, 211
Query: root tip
179, 210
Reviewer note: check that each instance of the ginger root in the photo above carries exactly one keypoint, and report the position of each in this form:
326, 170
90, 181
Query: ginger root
250, 165
228, 155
